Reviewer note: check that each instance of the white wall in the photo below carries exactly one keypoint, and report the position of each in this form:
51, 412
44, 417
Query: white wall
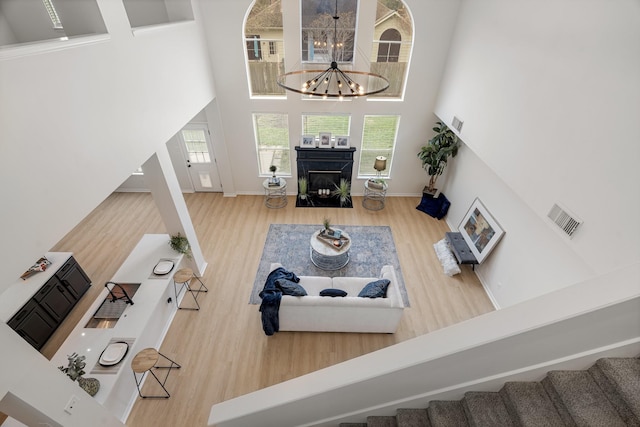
531, 259
74, 133
434, 25
550, 97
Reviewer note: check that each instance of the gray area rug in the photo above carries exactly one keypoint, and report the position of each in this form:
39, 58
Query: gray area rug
371, 248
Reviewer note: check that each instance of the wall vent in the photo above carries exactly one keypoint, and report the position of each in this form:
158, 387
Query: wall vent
567, 222
457, 123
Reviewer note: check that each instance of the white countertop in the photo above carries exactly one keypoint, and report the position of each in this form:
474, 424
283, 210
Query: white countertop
144, 323
20, 292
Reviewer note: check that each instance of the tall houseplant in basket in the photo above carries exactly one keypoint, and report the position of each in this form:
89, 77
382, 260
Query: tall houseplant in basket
436, 153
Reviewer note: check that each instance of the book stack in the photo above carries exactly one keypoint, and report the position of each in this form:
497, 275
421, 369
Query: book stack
274, 182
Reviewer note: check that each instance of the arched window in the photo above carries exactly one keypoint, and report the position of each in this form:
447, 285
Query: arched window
263, 35
389, 47
392, 44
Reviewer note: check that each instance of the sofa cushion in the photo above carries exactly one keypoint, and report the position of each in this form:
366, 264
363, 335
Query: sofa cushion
376, 289
331, 292
290, 288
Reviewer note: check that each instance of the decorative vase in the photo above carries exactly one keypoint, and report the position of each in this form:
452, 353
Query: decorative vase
90, 385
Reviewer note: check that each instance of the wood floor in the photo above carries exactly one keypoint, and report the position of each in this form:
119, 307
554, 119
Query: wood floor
222, 348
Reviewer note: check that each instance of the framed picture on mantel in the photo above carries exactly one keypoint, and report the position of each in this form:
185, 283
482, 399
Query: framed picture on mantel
308, 141
325, 140
342, 142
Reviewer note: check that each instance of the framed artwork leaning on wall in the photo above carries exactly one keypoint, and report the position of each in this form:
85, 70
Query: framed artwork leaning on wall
480, 230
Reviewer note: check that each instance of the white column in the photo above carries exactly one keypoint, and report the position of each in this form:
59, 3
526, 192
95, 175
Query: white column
160, 178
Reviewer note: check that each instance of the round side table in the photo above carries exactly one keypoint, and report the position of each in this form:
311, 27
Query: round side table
275, 196
328, 258
374, 197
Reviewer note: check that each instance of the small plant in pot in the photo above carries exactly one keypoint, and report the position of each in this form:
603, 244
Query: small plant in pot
75, 371
326, 223
342, 191
75, 367
180, 244
435, 154
303, 188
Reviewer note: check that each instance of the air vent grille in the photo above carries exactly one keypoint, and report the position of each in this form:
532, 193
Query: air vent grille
567, 222
457, 123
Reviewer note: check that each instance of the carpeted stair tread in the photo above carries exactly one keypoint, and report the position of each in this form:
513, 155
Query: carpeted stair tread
412, 418
579, 400
529, 405
485, 409
381, 421
446, 413
619, 378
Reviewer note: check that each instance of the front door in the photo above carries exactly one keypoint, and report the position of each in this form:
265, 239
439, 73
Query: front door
201, 163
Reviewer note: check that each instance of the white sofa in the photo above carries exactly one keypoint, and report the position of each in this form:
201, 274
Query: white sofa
342, 314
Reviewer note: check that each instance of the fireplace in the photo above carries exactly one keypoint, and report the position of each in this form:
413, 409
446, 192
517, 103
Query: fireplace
323, 180
323, 168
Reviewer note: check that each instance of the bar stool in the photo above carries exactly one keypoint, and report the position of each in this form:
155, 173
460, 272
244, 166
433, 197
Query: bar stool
145, 361
183, 278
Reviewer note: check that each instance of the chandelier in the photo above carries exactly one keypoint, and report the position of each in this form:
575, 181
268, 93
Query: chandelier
333, 82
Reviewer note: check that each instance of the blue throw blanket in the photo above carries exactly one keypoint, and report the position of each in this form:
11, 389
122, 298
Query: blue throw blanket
271, 296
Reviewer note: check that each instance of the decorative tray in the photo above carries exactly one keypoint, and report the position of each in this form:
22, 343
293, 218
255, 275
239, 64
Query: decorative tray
114, 353
336, 243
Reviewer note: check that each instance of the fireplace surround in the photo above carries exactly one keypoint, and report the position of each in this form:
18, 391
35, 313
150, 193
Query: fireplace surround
323, 168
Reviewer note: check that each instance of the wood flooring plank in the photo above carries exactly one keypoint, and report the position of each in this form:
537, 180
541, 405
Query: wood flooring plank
222, 348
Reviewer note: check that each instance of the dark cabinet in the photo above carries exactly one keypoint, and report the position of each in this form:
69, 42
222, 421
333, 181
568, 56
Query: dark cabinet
33, 324
55, 299
73, 278
38, 319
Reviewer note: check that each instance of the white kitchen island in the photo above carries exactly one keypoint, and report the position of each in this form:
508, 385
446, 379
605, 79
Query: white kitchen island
143, 324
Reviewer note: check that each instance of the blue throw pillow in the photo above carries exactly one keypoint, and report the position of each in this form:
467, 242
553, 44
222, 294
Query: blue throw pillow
330, 292
377, 289
289, 287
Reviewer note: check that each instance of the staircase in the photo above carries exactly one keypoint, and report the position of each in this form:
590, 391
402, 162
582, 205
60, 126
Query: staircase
607, 394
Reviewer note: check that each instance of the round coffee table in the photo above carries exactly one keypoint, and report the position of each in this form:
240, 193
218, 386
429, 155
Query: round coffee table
327, 257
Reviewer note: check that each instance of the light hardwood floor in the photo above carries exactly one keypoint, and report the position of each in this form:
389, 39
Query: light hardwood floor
222, 348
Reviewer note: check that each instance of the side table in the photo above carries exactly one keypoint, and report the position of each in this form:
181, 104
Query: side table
275, 196
328, 258
374, 197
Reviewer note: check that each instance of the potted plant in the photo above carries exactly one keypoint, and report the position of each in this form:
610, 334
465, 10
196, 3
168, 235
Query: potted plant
303, 187
342, 191
326, 223
75, 367
180, 244
435, 154
75, 371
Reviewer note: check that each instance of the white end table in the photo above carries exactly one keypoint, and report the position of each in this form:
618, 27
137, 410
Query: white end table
275, 196
374, 197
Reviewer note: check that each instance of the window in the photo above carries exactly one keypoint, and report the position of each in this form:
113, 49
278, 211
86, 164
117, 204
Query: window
337, 124
263, 35
254, 50
195, 142
318, 31
272, 142
55, 19
392, 44
378, 139
389, 47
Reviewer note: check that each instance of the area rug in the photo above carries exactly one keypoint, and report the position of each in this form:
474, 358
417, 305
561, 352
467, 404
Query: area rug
371, 248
